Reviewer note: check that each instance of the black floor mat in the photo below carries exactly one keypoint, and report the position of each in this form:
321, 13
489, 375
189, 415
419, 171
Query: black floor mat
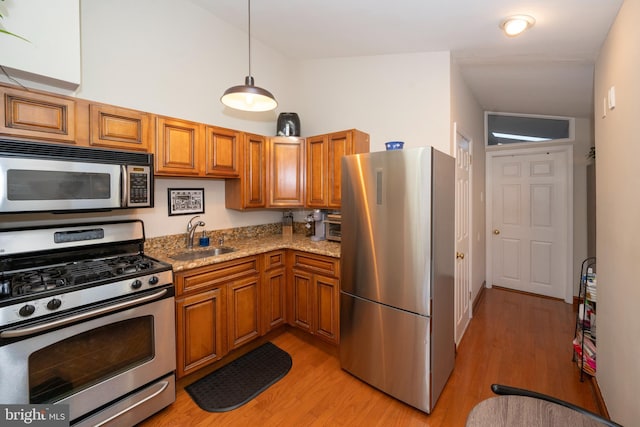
240, 381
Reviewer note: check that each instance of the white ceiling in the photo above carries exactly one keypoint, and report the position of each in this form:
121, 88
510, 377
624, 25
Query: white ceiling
547, 70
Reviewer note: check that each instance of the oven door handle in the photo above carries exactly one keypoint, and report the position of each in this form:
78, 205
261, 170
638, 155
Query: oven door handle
16, 333
163, 385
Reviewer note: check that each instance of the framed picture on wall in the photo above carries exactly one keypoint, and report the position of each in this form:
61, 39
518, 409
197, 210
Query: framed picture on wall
185, 201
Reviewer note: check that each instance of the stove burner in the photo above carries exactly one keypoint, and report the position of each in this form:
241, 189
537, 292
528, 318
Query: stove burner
37, 281
73, 273
131, 264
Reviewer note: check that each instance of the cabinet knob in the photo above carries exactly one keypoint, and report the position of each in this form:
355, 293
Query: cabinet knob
459, 255
496, 231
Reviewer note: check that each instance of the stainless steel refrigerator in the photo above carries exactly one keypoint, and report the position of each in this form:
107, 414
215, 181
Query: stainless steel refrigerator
397, 262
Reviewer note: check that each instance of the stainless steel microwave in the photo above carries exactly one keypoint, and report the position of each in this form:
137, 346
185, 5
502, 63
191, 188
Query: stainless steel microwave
43, 177
334, 227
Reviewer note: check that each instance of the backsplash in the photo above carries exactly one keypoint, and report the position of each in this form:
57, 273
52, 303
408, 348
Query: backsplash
177, 241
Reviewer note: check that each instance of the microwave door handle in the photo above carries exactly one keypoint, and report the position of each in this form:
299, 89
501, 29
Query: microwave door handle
124, 182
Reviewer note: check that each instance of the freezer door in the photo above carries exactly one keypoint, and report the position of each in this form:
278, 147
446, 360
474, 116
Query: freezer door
386, 228
387, 348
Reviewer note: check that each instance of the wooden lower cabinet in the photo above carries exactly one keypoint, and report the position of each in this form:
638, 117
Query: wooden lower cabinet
274, 290
314, 295
217, 310
302, 300
243, 311
224, 306
327, 314
200, 330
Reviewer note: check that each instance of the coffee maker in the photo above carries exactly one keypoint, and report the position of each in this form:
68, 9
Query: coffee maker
316, 220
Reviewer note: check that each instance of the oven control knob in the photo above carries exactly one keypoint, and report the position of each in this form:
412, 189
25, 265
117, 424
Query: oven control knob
27, 310
54, 304
136, 284
153, 280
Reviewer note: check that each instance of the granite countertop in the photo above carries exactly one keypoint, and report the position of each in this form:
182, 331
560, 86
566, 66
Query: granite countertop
162, 250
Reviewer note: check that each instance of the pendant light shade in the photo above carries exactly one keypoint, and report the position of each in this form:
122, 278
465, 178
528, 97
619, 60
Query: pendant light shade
249, 97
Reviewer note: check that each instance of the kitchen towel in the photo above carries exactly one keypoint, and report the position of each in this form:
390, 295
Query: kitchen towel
237, 383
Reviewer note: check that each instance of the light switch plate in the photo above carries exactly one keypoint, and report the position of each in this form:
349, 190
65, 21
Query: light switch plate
611, 98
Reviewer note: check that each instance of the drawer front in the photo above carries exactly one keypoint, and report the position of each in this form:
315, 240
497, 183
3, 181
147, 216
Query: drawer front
208, 277
316, 263
274, 259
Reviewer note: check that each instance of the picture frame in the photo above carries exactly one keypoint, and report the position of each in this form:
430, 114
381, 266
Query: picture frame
185, 201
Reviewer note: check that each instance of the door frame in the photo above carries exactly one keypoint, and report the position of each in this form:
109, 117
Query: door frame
508, 151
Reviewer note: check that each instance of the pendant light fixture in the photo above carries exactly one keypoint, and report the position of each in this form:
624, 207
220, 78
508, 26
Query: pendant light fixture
249, 97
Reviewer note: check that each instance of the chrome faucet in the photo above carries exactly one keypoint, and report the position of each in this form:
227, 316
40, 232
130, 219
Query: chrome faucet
191, 230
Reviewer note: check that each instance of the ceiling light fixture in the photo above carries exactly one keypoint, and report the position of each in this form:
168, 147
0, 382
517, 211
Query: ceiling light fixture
249, 97
517, 24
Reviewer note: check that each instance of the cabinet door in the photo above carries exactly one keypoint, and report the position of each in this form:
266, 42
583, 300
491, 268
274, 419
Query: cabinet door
179, 146
339, 144
243, 304
200, 330
301, 300
37, 116
121, 128
327, 310
274, 300
317, 167
249, 191
221, 152
286, 172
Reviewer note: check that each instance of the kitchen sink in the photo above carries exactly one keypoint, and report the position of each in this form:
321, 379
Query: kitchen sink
196, 254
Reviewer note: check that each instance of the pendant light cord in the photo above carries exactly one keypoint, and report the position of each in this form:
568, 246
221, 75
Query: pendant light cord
249, 32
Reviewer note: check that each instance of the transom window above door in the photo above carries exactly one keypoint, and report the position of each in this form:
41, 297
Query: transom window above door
507, 128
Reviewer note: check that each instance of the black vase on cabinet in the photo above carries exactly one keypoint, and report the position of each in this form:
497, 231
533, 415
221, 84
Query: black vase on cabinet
288, 124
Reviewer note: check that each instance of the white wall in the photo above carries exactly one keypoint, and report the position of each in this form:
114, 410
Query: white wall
51, 56
584, 140
617, 217
154, 56
469, 118
391, 97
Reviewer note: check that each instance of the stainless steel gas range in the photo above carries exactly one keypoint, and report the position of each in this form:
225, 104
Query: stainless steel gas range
86, 319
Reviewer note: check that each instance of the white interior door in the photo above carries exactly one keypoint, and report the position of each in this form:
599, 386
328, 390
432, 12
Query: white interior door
531, 216
462, 310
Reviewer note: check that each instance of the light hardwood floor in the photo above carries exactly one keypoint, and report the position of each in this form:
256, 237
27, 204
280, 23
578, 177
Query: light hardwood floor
513, 339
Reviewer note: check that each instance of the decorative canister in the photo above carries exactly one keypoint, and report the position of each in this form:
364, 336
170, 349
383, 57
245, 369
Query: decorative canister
288, 124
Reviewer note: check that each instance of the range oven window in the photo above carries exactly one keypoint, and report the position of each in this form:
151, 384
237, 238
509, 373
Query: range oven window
23, 184
83, 360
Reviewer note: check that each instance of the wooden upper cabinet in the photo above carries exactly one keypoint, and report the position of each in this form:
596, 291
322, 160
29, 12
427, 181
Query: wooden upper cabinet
317, 166
34, 115
179, 147
222, 158
324, 165
249, 191
121, 128
286, 168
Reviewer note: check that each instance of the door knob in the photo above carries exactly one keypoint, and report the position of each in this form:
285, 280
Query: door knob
459, 255
496, 231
